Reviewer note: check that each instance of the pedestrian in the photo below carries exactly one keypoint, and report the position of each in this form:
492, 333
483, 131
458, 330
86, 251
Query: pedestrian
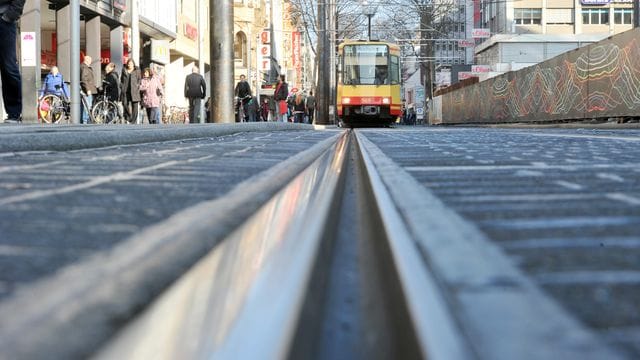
311, 106
10, 13
299, 108
130, 91
243, 92
280, 96
195, 89
252, 109
151, 90
264, 110
54, 84
88, 86
111, 83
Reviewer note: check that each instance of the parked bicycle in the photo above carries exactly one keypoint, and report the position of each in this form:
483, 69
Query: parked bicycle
56, 109
106, 111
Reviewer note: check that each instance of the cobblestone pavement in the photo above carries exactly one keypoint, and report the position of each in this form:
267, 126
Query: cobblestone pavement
59, 207
563, 204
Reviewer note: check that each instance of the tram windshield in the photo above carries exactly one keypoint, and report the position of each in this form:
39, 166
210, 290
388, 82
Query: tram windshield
366, 65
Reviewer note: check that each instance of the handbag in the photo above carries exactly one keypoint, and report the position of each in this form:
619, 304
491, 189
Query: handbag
283, 107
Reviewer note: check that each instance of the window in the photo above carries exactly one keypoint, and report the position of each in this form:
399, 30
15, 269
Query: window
366, 64
394, 70
622, 16
595, 16
240, 48
527, 16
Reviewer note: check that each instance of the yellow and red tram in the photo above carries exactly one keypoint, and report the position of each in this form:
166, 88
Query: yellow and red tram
368, 82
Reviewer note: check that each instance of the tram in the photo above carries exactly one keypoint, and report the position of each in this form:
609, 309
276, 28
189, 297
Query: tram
368, 83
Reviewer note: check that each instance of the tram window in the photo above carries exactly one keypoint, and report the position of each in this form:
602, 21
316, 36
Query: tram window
366, 64
394, 71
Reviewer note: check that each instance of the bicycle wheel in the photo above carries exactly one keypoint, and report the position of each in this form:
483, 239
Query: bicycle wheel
50, 109
105, 112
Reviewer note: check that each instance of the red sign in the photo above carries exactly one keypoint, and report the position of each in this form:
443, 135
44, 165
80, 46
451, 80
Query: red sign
295, 53
190, 31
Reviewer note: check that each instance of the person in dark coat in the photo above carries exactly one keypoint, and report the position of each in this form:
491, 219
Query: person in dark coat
311, 106
280, 96
195, 88
111, 83
130, 91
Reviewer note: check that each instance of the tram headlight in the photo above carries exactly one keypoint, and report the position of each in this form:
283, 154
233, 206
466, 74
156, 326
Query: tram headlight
346, 100
386, 101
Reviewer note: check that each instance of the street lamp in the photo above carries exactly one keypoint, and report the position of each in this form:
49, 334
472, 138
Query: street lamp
369, 10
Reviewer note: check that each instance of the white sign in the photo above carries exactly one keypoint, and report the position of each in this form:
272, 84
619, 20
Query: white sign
480, 68
443, 78
464, 43
28, 49
264, 54
160, 52
463, 75
480, 33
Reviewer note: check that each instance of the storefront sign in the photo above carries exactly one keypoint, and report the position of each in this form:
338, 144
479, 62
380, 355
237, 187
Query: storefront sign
480, 33
190, 31
28, 49
295, 51
160, 51
265, 37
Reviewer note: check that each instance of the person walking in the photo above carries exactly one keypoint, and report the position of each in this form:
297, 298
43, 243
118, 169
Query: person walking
253, 109
130, 91
264, 110
311, 106
280, 96
88, 86
151, 89
10, 13
299, 108
195, 89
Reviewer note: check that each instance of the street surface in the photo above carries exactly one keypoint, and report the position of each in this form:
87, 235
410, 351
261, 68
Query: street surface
562, 204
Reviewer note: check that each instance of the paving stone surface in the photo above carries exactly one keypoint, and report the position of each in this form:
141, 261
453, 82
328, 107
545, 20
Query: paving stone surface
57, 208
563, 204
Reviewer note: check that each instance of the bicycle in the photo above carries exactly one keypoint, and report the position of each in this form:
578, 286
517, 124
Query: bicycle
52, 108
105, 111
241, 108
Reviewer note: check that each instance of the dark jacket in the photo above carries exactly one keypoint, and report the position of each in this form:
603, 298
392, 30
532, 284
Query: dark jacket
311, 102
112, 86
243, 89
282, 91
87, 80
194, 86
11, 10
130, 85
